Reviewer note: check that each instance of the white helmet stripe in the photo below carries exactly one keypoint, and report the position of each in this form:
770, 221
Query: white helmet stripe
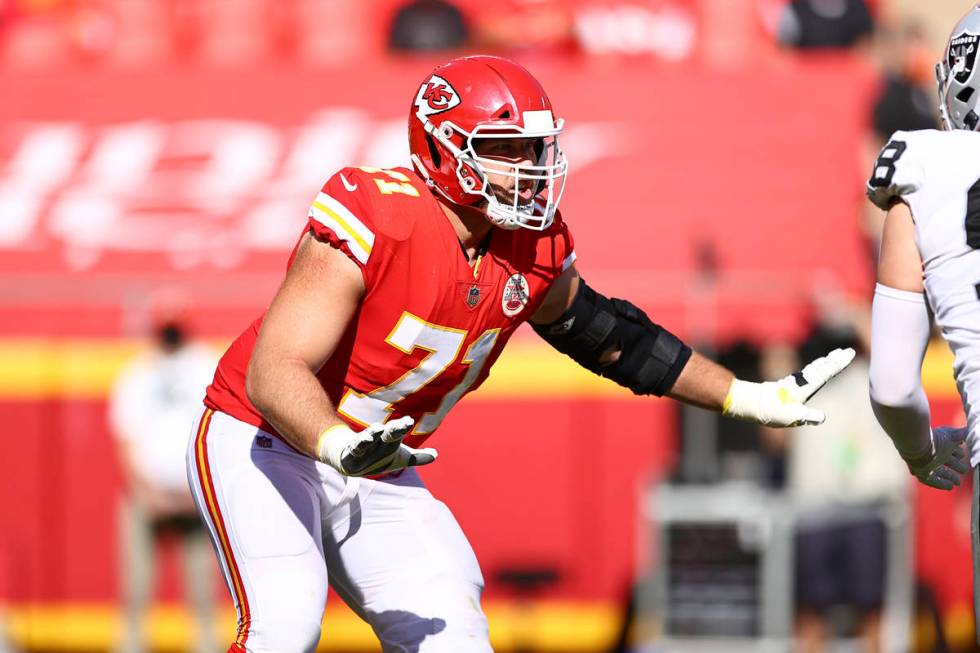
535, 121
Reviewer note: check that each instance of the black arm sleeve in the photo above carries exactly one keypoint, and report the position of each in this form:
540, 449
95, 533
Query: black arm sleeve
651, 357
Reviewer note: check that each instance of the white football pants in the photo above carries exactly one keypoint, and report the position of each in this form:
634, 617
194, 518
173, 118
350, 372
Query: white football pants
283, 524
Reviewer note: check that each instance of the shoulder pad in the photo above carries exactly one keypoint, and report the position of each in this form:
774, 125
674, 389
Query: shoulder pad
897, 170
390, 198
361, 204
340, 215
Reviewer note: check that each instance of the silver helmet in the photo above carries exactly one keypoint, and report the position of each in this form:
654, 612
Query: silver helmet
957, 76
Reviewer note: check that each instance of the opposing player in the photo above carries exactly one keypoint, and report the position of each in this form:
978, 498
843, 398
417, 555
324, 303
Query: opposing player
401, 293
928, 181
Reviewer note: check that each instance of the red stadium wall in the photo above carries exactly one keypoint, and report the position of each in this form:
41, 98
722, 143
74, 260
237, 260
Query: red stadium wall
113, 183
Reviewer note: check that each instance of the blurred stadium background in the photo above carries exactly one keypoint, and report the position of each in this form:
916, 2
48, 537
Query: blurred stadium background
718, 153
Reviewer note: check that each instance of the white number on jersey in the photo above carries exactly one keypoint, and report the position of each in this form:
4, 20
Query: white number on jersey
443, 344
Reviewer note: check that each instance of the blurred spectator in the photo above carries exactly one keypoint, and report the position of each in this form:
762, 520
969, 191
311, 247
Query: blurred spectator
907, 100
934, 17
152, 406
738, 453
816, 24
841, 476
428, 25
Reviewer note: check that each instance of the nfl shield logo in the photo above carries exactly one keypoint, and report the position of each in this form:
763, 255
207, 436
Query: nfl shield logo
471, 293
962, 55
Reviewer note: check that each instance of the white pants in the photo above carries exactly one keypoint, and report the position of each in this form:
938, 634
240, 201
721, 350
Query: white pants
283, 524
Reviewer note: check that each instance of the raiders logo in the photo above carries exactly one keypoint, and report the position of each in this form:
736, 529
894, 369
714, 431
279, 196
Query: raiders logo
516, 295
435, 96
962, 55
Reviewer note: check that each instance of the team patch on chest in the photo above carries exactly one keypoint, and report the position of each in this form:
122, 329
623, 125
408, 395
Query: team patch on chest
472, 293
516, 295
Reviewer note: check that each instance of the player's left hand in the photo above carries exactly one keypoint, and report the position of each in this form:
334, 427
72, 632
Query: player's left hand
378, 449
783, 402
944, 463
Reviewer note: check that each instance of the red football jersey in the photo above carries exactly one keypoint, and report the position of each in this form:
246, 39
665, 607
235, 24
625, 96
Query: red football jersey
430, 325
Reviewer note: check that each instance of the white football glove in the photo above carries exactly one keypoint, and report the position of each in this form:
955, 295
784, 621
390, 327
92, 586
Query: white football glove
782, 402
944, 463
377, 449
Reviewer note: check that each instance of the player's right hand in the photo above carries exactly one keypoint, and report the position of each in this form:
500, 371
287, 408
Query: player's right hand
378, 449
942, 466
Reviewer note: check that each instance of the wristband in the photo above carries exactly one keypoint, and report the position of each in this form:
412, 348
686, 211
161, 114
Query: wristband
330, 445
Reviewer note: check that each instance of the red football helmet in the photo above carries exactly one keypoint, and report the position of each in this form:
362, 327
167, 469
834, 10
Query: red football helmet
487, 97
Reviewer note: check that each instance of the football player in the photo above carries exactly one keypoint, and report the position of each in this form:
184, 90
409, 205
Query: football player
404, 287
928, 181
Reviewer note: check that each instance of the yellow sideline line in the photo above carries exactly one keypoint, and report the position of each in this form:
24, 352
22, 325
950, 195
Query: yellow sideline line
85, 369
572, 626
565, 627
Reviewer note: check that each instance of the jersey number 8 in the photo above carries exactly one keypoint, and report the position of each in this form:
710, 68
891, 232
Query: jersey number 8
885, 170
885, 165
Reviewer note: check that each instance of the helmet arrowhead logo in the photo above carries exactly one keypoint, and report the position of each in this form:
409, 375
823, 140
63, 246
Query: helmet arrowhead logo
962, 55
435, 96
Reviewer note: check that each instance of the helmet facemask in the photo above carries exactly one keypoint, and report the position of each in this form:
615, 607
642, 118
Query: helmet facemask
942, 86
546, 175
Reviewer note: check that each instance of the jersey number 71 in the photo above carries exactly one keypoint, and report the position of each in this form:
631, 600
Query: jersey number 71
443, 344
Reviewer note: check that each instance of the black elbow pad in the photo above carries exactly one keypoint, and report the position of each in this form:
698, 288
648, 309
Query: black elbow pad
651, 358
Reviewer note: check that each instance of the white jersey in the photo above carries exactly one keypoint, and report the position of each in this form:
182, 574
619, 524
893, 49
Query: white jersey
937, 174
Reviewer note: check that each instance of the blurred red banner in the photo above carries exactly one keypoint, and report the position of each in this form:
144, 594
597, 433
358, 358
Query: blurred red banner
720, 201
